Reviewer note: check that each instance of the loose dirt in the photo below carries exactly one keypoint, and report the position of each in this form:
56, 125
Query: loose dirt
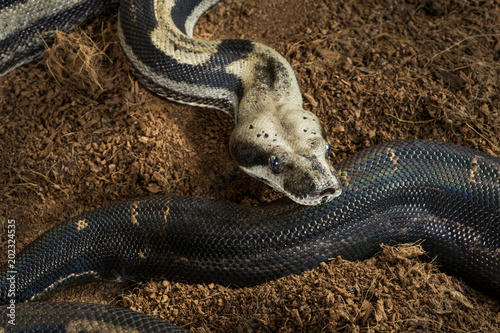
78, 132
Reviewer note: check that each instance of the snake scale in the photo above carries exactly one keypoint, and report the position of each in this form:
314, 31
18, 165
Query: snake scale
446, 195
402, 191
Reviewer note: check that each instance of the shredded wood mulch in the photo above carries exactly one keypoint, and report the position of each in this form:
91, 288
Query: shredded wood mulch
79, 132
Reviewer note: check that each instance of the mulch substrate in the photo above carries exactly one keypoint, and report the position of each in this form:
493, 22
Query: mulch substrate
78, 132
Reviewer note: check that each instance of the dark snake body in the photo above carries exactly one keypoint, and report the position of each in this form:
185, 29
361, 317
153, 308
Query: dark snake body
403, 191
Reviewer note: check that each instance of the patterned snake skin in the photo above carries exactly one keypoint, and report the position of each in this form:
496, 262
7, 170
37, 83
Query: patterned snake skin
274, 139
403, 191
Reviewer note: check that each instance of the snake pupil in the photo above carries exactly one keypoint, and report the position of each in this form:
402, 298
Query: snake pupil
275, 163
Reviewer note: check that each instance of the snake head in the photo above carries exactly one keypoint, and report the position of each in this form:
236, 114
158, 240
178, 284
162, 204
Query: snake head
288, 150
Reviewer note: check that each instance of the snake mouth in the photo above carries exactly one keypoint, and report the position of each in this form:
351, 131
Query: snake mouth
324, 196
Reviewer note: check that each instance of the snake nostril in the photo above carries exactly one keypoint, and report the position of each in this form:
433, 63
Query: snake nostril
329, 191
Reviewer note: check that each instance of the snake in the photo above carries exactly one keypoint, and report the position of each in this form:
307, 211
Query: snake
444, 195
274, 140
402, 191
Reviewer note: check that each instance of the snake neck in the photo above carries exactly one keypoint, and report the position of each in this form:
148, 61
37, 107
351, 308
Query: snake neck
222, 74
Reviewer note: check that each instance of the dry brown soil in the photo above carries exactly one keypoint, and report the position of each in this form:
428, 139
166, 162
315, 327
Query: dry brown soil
78, 131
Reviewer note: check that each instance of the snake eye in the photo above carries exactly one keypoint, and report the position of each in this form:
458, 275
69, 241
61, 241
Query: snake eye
328, 150
275, 164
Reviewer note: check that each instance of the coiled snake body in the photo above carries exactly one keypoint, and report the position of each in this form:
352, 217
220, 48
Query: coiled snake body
403, 191
446, 195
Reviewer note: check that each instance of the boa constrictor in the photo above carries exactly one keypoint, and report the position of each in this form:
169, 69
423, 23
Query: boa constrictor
401, 192
274, 140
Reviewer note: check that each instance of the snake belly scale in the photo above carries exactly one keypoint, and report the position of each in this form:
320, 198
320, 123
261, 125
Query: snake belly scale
275, 140
403, 191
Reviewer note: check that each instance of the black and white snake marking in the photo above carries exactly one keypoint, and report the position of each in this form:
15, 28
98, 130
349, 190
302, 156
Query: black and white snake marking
404, 191
275, 139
